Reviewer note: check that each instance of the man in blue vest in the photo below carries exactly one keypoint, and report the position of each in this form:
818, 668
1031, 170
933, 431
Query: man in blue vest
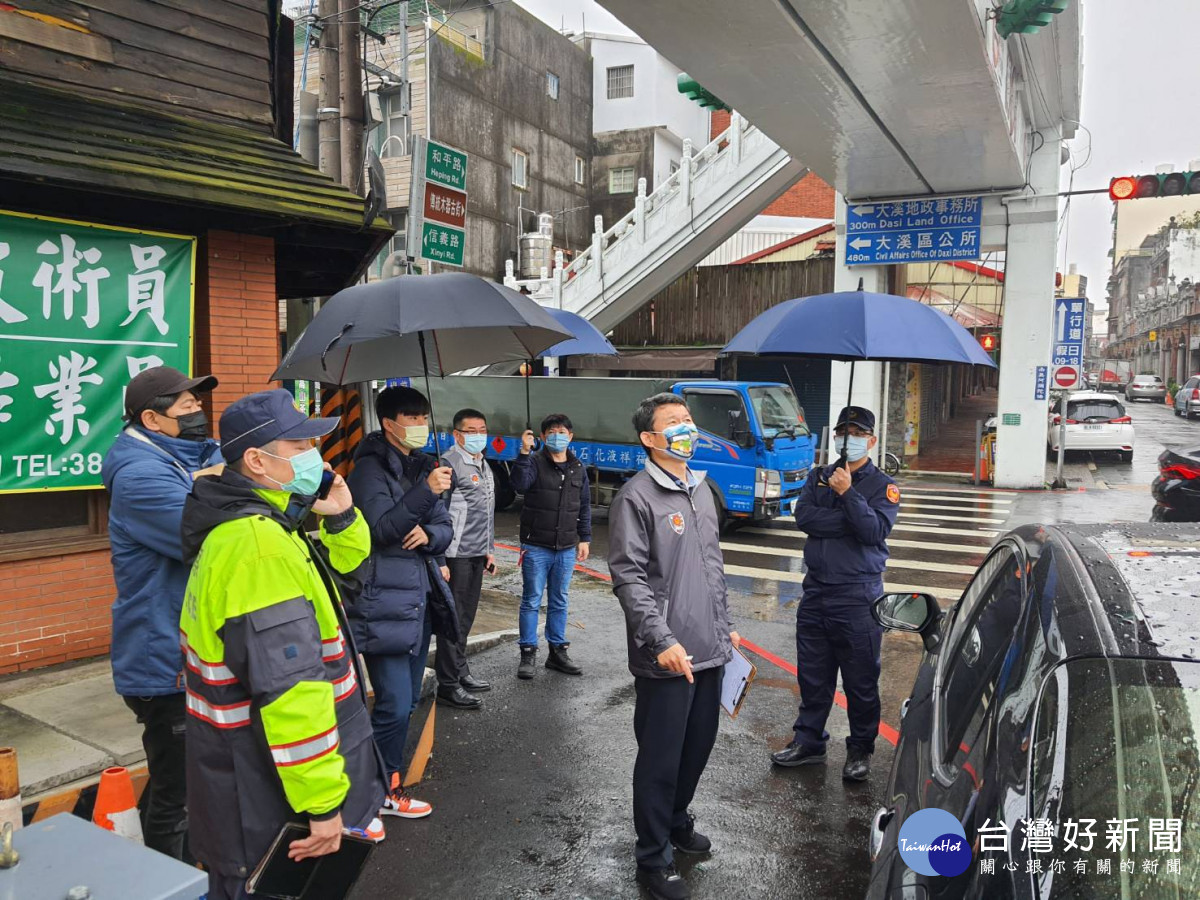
149, 472
847, 510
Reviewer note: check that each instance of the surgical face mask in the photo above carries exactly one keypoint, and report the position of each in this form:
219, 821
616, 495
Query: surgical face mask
681, 440
474, 443
415, 436
306, 472
558, 441
855, 447
192, 427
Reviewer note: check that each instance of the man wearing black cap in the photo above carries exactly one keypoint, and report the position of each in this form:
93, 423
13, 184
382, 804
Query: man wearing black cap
847, 510
148, 473
277, 721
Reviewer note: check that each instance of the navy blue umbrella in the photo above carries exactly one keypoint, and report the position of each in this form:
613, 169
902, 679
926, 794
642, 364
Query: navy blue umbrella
858, 325
586, 339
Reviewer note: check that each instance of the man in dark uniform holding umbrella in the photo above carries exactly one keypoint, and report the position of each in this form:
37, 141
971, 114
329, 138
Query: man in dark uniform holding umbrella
847, 510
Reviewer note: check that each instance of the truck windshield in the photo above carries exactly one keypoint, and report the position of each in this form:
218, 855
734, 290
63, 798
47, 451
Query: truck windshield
777, 411
1115, 752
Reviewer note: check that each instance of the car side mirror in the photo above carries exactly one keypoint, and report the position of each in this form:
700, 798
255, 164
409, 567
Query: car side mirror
739, 431
914, 613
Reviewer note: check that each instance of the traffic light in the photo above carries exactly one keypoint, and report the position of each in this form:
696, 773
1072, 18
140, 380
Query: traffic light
989, 342
1027, 16
1137, 187
690, 88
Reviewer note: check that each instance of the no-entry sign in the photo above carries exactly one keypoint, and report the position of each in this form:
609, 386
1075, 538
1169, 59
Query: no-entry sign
1066, 377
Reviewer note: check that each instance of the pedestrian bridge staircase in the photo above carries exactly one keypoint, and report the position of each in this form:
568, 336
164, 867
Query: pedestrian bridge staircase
712, 195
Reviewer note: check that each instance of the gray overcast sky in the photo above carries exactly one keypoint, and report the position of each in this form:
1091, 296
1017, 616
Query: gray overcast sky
1140, 87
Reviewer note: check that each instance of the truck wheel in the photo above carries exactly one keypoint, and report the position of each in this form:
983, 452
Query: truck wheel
505, 495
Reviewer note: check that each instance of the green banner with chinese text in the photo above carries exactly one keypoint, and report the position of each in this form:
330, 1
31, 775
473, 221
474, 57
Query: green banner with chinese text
83, 308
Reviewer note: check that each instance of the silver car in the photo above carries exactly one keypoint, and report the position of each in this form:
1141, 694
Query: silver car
1187, 400
1146, 387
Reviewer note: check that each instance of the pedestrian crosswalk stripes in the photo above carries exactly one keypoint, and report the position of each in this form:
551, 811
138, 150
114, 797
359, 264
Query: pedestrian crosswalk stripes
797, 578
945, 518
924, 528
908, 504
909, 494
894, 562
942, 489
893, 543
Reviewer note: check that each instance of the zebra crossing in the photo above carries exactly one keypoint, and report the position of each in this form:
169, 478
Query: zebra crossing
941, 536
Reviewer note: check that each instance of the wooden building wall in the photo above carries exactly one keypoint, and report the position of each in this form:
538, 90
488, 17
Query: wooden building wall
204, 57
708, 305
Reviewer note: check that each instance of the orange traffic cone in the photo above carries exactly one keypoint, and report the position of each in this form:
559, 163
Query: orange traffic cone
116, 809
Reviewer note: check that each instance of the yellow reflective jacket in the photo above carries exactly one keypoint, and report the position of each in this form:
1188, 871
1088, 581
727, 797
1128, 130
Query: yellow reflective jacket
278, 727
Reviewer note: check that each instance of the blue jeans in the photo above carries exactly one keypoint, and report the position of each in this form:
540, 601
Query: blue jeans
396, 681
544, 567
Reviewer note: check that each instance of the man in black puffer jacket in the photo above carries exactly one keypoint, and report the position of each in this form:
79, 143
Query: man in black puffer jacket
405, 597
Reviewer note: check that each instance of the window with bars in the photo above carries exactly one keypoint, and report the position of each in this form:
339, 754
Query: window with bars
552, 85
620, 82
622, 181
520, 169
395, 125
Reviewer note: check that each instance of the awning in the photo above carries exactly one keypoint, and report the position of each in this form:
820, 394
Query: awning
650, 359
68, 155
966, 314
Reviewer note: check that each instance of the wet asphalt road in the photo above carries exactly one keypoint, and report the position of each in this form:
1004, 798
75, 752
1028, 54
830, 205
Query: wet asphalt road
532, 793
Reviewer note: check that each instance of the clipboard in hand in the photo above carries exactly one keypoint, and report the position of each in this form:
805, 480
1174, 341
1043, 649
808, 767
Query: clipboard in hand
739, 675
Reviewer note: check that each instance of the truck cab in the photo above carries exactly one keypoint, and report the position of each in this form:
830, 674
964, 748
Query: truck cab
755, 444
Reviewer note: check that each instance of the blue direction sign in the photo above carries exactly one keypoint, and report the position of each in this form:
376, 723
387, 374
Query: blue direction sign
1068, 332
904, 231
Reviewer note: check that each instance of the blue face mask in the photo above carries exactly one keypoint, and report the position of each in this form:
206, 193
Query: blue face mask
474, 443
306, 472
558, 441
856, 446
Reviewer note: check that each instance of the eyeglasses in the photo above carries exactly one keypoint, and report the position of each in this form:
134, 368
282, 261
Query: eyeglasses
853, 432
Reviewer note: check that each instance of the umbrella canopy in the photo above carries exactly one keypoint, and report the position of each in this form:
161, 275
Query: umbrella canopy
374, 331
587, 340
859, 325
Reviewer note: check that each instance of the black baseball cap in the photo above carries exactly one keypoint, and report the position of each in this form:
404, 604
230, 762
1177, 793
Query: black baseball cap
856, 415
161, 381
257, 419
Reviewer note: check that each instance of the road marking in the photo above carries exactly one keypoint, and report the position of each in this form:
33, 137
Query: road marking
951, 490
924, 528
916, 545
920, 504
797, 578
921, 495
791, 553
945, 518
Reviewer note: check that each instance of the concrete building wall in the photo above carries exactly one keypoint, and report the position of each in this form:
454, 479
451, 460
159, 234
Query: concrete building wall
656, 100
633, 148
1134, 219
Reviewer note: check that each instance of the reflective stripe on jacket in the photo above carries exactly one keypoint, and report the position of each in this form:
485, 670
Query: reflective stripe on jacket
277, 728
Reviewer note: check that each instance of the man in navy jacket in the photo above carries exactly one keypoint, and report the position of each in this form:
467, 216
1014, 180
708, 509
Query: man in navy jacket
149, 473
847, 510
405, 598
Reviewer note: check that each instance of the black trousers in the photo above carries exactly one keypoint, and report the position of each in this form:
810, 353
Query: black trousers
466, 583
676, 727
164, 799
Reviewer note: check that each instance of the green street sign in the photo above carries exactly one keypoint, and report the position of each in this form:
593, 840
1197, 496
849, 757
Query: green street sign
1010, 419
442, 244
445, 165
83, 308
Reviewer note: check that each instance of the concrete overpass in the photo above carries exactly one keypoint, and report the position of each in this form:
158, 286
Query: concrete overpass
908, 99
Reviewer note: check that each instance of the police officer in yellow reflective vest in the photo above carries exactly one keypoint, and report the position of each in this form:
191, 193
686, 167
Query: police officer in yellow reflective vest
277, 727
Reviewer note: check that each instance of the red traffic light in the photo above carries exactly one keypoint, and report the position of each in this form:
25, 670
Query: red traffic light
989, 342
1122, 188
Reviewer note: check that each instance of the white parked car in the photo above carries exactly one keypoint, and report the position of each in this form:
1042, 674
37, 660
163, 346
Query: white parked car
1095, 421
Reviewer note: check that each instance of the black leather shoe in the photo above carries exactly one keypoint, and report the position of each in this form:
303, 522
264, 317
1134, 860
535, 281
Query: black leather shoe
558, 660
458, 698
858, 765
689, 840
664, 884
474, 685
797, 755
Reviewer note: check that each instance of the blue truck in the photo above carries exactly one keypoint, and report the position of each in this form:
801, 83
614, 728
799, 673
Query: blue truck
755, 445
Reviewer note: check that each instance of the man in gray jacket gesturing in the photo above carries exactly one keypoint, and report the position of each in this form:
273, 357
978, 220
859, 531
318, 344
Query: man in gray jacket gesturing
667, 571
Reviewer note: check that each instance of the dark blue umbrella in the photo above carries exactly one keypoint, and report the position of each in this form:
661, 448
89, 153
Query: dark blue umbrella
858, 325
586, 338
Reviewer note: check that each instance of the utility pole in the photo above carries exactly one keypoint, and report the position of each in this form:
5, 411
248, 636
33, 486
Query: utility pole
329, 110
350, 95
